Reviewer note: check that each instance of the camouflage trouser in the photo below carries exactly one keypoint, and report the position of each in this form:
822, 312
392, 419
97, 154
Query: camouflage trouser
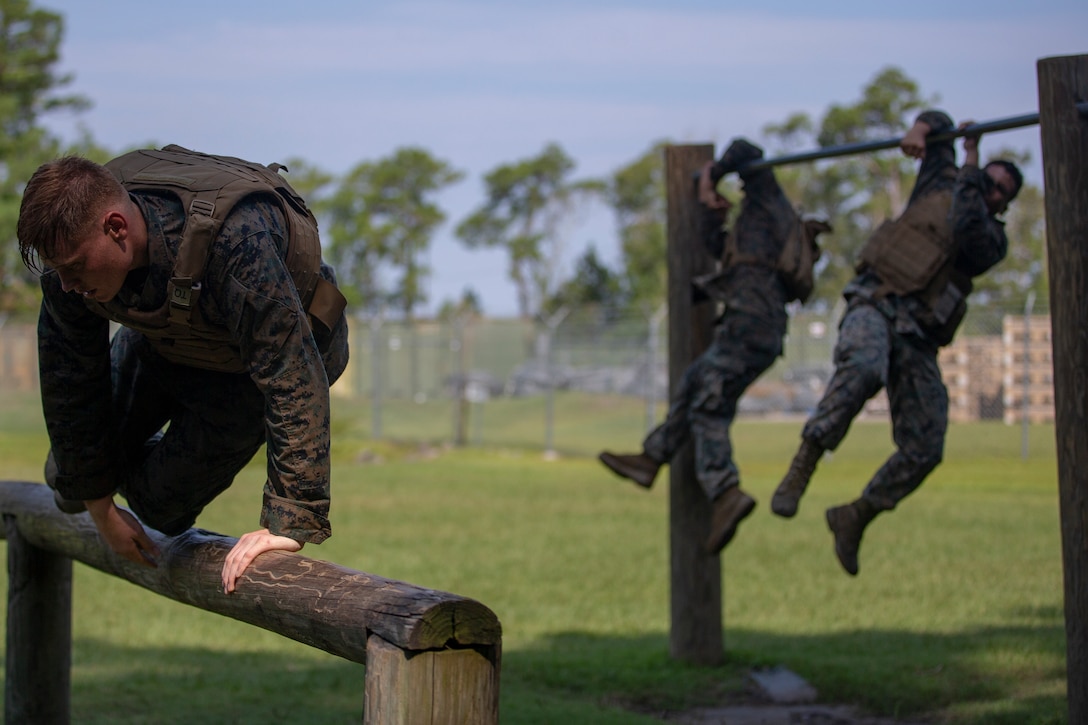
214, 425
705, 404
871, 355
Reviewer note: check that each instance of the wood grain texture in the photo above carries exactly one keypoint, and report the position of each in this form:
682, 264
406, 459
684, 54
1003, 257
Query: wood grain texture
1063, 82
38, 648
439, 687
695, 633
315, 602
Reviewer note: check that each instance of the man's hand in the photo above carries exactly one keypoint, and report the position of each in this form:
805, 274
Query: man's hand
913, 143
708, 193
970, 145
122, 532
248, 548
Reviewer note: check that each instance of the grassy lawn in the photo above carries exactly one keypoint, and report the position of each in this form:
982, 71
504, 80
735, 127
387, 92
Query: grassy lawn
955, 617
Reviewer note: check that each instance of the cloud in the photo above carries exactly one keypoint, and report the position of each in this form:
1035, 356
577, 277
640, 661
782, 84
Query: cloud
485, 83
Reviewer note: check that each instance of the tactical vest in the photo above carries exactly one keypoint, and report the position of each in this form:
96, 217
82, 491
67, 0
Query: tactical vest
795, 262
915, 255
209, 187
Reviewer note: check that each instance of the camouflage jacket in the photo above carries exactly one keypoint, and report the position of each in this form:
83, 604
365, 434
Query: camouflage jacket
980, 238
248, 291
765, 220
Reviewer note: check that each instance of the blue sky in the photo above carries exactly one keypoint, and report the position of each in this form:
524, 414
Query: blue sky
479, 84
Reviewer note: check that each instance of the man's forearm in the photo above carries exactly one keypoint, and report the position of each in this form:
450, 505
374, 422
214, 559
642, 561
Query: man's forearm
99, 508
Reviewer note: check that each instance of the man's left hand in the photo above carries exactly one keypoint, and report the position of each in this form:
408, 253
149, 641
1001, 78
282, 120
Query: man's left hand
248, 548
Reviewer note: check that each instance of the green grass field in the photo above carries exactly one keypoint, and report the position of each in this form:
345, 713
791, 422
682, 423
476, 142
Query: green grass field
956, 616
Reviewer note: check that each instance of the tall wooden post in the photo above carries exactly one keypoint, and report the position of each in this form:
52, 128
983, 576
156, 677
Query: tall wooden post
696, 580
39, 632
1062, 83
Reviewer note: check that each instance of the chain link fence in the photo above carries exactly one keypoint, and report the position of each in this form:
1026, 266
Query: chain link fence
998, 368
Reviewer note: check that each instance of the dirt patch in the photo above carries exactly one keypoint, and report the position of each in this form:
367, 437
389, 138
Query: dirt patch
775, 714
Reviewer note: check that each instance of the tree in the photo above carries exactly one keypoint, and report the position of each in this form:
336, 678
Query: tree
594, 289
29, 52
526, 203
637, 195
467, 308
381, 217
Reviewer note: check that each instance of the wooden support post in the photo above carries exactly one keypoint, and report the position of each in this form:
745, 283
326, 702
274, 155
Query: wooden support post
1063, 82
38, 647
696, 580
436, 687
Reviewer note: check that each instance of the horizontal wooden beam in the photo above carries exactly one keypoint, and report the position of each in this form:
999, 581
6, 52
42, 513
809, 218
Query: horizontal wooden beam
315, 602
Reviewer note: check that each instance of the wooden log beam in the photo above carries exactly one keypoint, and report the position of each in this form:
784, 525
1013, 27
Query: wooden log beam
314, 602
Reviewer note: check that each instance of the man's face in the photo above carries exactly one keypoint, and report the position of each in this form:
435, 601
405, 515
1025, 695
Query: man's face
95, 266
1002, 190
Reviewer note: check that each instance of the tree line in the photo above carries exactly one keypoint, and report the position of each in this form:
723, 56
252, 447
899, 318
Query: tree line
379, 218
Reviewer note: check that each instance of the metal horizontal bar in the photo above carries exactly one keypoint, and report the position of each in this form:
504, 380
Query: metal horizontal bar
828, 152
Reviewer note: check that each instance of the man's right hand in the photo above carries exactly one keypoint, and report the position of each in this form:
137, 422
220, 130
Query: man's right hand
913, 143
708, 193
122, 532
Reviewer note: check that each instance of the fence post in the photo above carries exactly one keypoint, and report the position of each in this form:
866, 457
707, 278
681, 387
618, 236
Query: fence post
377, 351
1063, 81
547, 342
653, 340
1026, 402
38, 652
460, 382
695, 633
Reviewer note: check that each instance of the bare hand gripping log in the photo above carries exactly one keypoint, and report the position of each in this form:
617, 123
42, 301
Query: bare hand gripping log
354, 615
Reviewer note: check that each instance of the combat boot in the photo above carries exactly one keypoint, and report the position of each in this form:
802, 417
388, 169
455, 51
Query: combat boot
638, 467
788, 494
68, 506
848, 523
729, 510
739, 153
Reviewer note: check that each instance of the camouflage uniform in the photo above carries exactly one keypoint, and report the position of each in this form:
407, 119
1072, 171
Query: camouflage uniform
747, 340
106, 402
882, 344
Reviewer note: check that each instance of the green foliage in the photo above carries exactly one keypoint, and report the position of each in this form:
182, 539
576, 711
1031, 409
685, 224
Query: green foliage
382, 215
29, 52
594, 290
637, 196
468, 307
527, 201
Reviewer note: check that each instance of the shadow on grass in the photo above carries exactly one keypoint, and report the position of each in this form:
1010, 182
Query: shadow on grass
990, 675
993, 676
